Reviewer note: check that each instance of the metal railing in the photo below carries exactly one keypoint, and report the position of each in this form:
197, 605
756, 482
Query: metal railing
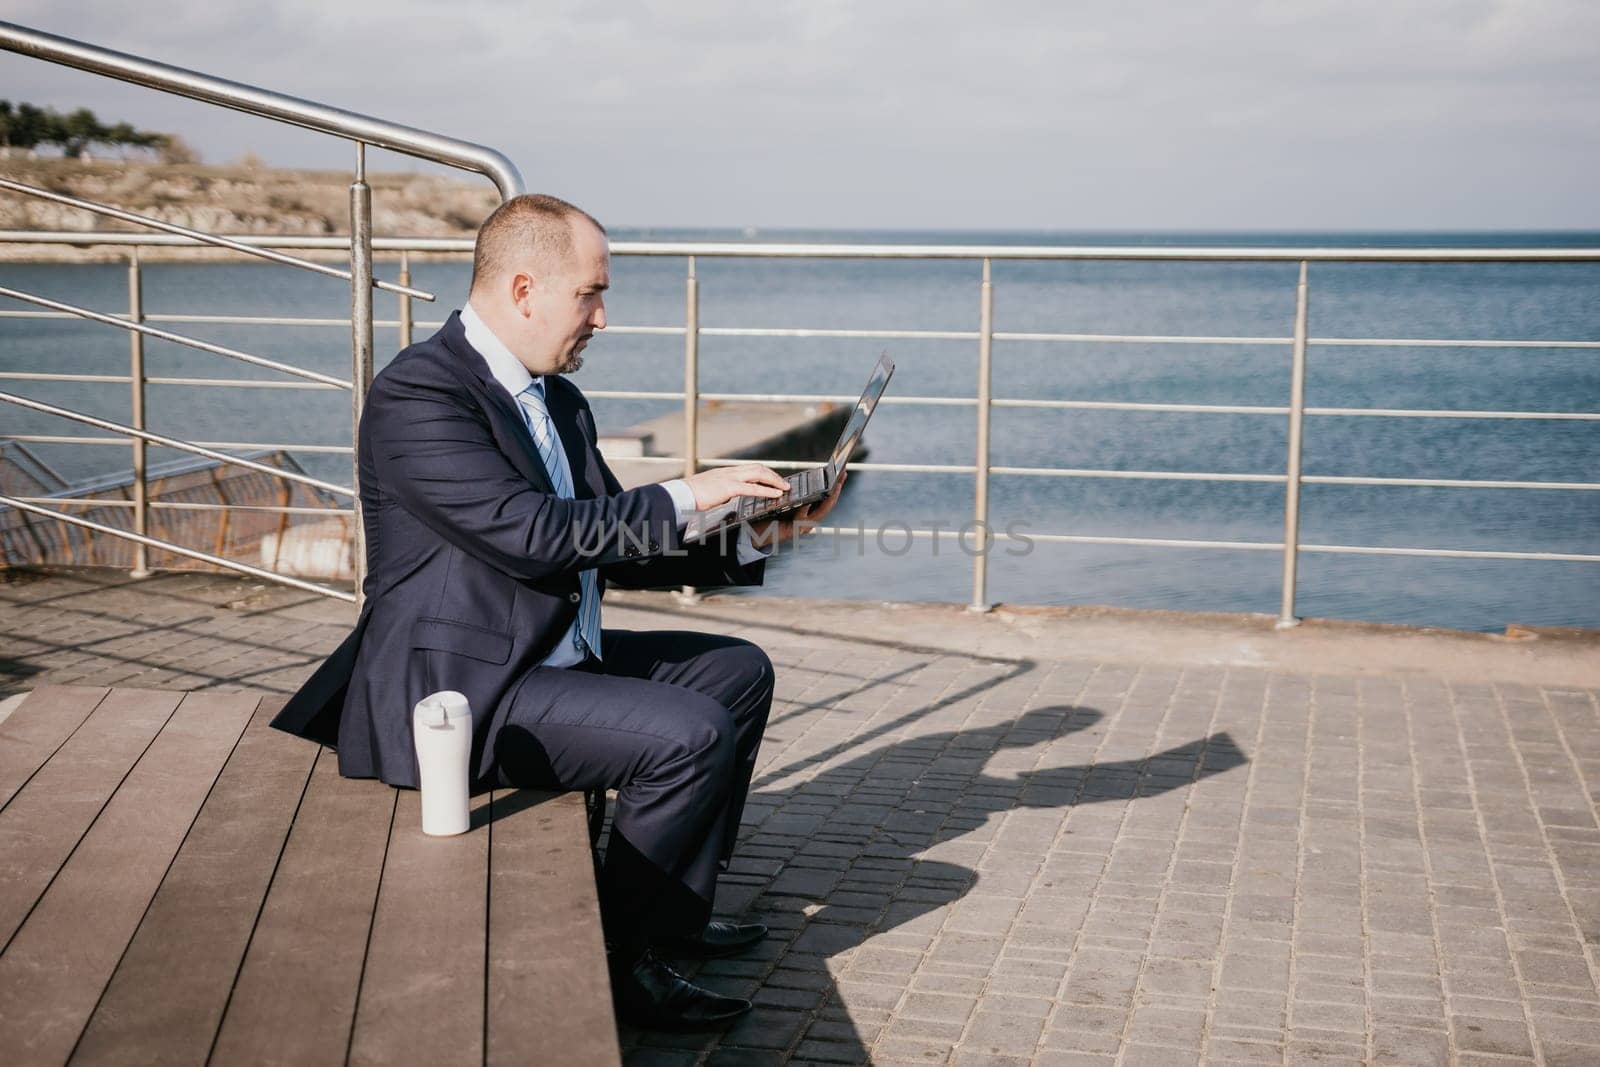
361, 130
985, 336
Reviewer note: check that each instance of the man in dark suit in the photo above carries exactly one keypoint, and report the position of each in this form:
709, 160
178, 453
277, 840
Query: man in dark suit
491, 520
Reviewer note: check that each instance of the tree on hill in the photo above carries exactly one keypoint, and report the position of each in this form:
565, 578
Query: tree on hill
24, 126
27, 127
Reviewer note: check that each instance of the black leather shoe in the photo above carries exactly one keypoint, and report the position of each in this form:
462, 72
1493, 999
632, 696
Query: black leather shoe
715, 941
653, 996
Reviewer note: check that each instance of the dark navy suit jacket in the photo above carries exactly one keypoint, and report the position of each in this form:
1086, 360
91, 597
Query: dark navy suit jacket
472, 560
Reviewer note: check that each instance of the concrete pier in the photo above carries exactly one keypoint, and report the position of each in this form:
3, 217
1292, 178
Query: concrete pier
1079, 836
727, 430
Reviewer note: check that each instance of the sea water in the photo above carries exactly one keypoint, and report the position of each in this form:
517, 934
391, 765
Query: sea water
1506, 301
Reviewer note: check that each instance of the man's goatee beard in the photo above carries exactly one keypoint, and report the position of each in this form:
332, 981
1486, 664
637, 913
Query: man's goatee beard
571, 364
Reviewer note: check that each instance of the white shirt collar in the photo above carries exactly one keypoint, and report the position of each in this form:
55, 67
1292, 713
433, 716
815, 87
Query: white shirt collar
506, 368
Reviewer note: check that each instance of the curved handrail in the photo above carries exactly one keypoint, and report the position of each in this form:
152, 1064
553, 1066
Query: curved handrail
265, 103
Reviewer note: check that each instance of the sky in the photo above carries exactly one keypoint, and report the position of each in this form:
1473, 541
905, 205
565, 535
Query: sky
1197, 115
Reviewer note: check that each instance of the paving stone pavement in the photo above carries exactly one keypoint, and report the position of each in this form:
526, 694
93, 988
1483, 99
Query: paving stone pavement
1105, 838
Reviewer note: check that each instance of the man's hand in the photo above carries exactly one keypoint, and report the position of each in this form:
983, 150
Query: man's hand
773, 531
721, 484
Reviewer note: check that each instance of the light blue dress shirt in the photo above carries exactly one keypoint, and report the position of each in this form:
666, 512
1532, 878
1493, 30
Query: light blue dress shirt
514, 378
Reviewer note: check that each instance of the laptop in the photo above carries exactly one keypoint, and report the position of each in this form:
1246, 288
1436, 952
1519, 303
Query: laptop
805, 487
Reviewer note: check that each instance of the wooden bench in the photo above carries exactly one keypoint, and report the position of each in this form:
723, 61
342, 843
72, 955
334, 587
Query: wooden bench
181, 883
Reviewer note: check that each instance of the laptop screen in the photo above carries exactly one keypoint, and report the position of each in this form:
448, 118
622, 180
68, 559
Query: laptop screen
858, 418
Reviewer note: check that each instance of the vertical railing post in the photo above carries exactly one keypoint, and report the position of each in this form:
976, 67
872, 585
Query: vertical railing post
691, 373
1291, 488
406, 325
980, 494
691, 386
141, 486
360, 340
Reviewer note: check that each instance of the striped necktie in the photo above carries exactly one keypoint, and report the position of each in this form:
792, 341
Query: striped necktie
537, 415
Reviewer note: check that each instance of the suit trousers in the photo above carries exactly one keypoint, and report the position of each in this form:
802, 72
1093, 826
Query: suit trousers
671, 720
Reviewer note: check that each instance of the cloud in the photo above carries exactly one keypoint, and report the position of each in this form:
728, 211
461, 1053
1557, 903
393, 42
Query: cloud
1017, 113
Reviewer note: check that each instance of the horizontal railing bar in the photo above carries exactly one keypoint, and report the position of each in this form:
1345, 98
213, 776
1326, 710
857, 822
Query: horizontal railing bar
946, 401
1418, 342
654, 331
236, 383
1257, 546
1026, 472
811, 398
1176, 476
783, 250
1001, 335
779, 250
952, 335
1447, 553
168, 442
252, 320
1091, 472
779, 398
871, 335
1369, 550
1416, 413
276, 509
30, 376
178, 505
1332, 342
227, 320
1135, 338
200, 236
960, 401
204, 557
60, 439
329, 243
78, 501
191, 342
712, 461
1445, 483
265, 103
1131, 405
802, 464
1145, 542
905, 468
630, 394
1083, 539
253, 446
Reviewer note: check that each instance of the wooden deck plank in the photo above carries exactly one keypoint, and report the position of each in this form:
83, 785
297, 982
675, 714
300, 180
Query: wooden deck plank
422, 993
167, 996
295, 996
48, 817
45, 719
57, 965
548, 986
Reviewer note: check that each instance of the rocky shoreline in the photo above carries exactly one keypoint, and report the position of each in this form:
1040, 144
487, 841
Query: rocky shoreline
234, 200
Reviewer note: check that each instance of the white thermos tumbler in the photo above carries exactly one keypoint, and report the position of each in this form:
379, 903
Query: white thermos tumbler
441, 724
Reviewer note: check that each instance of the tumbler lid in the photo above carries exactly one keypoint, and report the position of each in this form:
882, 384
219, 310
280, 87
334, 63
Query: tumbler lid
443, 709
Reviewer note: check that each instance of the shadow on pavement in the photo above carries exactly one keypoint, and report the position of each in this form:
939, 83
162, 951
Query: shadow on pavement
855, 852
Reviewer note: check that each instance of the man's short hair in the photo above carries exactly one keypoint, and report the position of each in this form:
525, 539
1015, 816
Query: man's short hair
532, 226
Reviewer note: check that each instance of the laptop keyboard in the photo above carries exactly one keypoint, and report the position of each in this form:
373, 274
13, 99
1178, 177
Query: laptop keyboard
801, 485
